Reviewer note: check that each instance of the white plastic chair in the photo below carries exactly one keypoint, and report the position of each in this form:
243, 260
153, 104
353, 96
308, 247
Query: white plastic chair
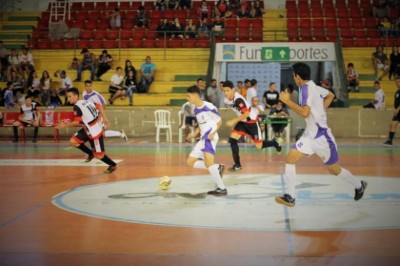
163, 121
271, 133
181, 129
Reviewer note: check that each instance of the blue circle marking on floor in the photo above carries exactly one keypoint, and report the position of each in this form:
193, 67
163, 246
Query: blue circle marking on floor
323, 202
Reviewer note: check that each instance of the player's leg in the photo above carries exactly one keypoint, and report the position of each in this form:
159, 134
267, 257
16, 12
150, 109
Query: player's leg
78, 141
215, 172
99, 152
392, 129
233, 141
16, 125
116, 133
254, 132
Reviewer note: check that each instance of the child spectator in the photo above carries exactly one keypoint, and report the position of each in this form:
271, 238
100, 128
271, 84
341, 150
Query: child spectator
45, 85
33, 85
129, 67
9, 101
115, 19
352, 78
74, 64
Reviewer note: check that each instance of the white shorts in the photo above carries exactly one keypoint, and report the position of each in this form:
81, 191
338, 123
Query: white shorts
382, 66
204, 145
324, 146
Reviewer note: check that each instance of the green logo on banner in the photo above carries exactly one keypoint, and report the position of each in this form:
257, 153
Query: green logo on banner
275, 54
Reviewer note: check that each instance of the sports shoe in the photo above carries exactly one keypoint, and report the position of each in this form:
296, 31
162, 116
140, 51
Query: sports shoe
286, 200
123, 135
277, 145
221, 170
110, 169
89, 158
235, 168
359, 192
218, 192
388, 143
34, 140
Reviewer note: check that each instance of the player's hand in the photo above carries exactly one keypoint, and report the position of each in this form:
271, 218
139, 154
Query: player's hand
284, 96
60, 126
230, 123
106, 122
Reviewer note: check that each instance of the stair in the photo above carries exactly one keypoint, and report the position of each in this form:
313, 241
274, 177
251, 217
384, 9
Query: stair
274, 25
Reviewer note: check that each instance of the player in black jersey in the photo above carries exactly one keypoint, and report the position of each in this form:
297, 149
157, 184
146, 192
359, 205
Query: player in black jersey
396, 115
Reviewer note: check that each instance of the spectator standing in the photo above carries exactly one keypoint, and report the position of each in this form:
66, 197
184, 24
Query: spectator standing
252, 91
326, 84
148, 71
104, 64
130, 85
203, 10
243, 13
173, 4
352, 78
185, 4
142, 19
45, 86
241, 89
115, 19
394, 62
187, 112
379, 98
396, 115
202, 86
220, 8
9, 101
380, 62
88, 63
116, 88
214, 94
255, 9
271, 96
29, 116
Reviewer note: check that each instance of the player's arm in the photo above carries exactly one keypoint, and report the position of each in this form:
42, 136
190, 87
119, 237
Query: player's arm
328, 100
195, 133
76, 122
303, 111
232, 122
103, 114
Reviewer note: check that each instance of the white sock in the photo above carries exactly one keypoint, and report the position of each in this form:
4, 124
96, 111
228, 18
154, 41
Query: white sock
112, 133
213, 169
199, 164
349, 177
290, 179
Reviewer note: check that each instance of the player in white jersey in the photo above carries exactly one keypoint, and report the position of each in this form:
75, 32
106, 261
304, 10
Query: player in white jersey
90, 95
88, 114
246, 123
317, 137
202, 155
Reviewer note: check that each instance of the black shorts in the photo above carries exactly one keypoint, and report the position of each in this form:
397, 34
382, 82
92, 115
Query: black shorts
97, 144
252, 130
396, 117
190, 120
113, 90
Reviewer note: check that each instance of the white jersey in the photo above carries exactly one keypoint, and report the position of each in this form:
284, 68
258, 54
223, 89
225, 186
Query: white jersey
66, 82
379, 97
240, 106
188, 109
95, 97
250, 94
30, 112
207, 117
313, 96
88, 113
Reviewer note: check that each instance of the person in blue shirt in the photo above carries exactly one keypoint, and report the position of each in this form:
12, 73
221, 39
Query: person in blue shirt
148, 70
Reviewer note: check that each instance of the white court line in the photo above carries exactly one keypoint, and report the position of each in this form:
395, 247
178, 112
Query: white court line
52, 162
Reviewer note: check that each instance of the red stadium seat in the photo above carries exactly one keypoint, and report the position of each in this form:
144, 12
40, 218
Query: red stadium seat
291, 4
317, 12
86, 34
361, 42
344, 23
374, 42
76, 6
365, 3
359, 33
43, 44
182, 14
292, 23
342, 13
175, 43
291, 13
156, 14
347, 42
357, 23
112, 34
110, 44
127, 24
148, 43
136, 43
356, 13
293, 34
304, 13
169, 14
203, 43
69, 44
315, 4
331, 24
91, 24
83, 44
303, 5
244, 24
126, 34
125, 44
88, 5
318, 23
138, 34
189, 43
152, 35
371, 23
160, 44
328, 4
346, 33
99, 34
319, 34
257, 23
95, 13
230, 24
101, 5
112, 5
124, 5
96, 44
57, 44
148, 5
82, 15
103, 24
340, 4
305, 23
330, 13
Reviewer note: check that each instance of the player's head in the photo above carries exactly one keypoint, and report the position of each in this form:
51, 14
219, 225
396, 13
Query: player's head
301, 73
72, 95
28, 100
193, 94
229, 89
88, 86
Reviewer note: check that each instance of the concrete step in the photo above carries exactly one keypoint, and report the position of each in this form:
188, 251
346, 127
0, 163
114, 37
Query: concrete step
23, 18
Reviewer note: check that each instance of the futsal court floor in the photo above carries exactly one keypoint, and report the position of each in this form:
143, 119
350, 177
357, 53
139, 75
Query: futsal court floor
57, 210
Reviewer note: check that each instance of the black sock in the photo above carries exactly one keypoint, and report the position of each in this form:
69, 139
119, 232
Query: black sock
235, 151
35, 132
15, 129
108, 161
269, 143
85, 149
391, 135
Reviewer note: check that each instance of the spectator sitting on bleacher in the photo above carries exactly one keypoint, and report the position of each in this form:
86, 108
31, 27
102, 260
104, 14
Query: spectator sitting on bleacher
115, 19
177, 29
8, 97
45, 86
148, 71
217, 25
380, 9
13, 63
190, 29
255, 10
116, 88
3, 58
394, 62
74, 64
130, 85
203, 30
160, 5
243, 12
129, 67
33, 85
379, 98
26, 63
271, 96
384, 27
29, 116
172, 4
352, 78
104, 64
142, 19
18, 84
88, 63
221, 9
55, 100
66, 83
163, 28
279, 113
185, 4
326, 84
380, 62
203, 10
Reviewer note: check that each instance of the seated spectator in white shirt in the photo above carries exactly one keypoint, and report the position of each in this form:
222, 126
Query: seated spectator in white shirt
379, 98
116, 88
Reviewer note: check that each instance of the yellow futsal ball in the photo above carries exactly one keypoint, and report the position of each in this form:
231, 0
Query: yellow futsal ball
165, 182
